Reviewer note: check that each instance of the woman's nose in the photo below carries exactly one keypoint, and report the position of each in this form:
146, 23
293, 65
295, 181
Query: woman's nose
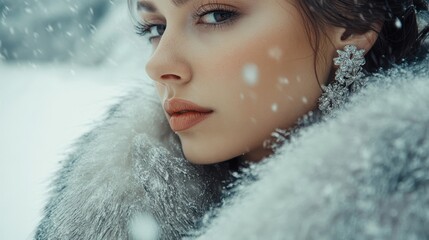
168, 63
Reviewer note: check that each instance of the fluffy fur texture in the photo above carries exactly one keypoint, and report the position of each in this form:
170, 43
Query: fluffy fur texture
131, 164
360, 175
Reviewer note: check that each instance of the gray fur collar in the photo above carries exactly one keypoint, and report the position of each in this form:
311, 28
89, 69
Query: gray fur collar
361, 175
130, 164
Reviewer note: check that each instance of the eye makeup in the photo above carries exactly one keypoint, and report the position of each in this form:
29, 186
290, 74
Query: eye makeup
207, 16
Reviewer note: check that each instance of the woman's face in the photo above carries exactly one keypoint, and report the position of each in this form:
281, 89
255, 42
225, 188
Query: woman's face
248, 63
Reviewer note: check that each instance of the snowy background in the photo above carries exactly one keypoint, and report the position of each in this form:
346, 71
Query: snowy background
62, 63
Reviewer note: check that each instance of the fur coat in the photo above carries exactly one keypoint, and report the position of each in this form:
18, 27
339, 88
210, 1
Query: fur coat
363, 174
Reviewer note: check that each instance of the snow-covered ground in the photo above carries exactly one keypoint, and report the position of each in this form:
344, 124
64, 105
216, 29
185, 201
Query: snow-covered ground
45, 106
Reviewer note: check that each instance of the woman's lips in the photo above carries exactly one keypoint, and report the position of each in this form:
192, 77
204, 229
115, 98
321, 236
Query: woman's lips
185, 114
181, 122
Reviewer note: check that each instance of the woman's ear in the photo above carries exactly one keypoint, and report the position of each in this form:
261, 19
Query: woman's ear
343, 37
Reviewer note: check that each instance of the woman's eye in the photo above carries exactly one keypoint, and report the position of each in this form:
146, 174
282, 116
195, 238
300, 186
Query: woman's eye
151, 31
217, 17
212, 18
157, 30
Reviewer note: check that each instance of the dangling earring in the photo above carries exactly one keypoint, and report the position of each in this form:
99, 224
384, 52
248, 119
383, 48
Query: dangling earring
349, 79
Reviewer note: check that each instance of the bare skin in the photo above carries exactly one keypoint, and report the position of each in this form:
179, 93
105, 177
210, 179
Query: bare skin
250, 61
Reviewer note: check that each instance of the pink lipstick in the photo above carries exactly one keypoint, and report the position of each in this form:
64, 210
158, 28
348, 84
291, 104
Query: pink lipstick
185, 114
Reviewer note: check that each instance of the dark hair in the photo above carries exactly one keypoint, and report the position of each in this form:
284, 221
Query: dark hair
399, 39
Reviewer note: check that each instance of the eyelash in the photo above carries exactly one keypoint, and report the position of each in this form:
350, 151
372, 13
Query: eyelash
216, 7
144, 28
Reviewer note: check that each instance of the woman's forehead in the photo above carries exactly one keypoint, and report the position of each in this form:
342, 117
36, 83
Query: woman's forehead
149, 5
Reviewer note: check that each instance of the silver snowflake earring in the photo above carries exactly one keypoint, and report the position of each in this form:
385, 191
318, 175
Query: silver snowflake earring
348, 79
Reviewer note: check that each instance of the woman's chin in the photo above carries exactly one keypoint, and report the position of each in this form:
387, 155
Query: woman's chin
197, 156
202, 159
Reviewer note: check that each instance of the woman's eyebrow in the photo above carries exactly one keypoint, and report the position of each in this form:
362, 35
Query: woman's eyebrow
179, 3
148, 6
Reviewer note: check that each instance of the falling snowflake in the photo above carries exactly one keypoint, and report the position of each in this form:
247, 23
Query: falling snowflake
144, 226
284, 80
275, 107
251, 74
275, 53
304, 100
398, 23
